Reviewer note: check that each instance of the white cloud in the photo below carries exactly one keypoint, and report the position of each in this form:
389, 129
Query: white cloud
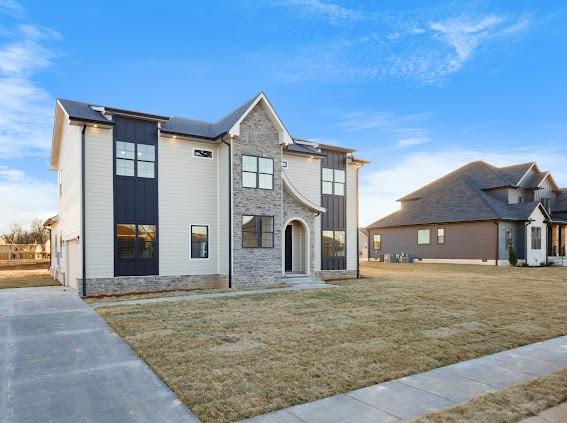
379, 189
23, 198
11, 7
331, 12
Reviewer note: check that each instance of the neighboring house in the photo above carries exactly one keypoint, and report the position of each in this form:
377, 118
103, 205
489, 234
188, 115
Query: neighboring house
474, 214
363, 244
150, 202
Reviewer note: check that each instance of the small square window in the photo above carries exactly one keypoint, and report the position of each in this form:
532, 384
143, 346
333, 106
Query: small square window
249, 179
124, 167
327, 174
146, 153
125, 150
423, 236
249, 164
265, 181
340, 176
327, 188
266, 165
146, 169
339, 189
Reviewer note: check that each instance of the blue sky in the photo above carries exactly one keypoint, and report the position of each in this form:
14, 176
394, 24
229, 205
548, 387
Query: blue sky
417, 87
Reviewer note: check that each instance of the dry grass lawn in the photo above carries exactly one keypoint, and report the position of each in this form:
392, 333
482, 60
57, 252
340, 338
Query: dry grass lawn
510, 405
232, 358
25, 278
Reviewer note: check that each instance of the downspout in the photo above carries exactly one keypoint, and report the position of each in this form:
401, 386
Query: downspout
497, 243
357, 228
229, 144
83, 244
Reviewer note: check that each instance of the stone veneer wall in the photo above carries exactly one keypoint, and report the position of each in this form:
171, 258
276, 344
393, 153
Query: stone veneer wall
137, 284
293, 209
257, 266
329, 275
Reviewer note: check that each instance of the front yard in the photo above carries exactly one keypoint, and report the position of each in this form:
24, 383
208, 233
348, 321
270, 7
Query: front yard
232, 358
25, 278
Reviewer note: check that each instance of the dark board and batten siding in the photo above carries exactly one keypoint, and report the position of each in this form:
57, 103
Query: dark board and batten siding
334, 219
136, 199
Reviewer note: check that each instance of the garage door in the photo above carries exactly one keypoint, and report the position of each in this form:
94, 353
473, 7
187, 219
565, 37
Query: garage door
73, 267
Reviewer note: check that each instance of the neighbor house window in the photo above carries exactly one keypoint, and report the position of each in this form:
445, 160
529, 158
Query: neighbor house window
257, 231
135, 159
333, 181
423, 236
199, 241
377, 242
441, 236
546, 203
135, 241
536, 238
202, 154
257, 172
333, 243
520, 199
508, 238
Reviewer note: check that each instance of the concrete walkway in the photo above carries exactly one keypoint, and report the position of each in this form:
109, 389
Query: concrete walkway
197, 297
414, 396
553, 415
60, 362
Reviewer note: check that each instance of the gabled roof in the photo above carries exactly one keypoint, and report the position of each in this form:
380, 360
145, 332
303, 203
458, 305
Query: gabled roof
77, 110
561, 205
516, 172
460, 196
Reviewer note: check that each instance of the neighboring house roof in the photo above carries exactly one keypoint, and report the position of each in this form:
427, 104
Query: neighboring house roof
516, 172
460, 196
298, 147
562, 200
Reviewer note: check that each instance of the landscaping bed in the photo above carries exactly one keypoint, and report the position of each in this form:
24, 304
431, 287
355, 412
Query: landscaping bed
232, 358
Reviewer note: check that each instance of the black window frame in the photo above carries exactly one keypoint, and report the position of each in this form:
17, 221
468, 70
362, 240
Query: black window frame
203, 150
334, 242
191, 242
333, 182
259, 230
137, 242
374, 242
257, 172
136, 160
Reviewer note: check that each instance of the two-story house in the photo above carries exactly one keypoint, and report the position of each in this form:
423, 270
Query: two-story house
151, 203
475, 214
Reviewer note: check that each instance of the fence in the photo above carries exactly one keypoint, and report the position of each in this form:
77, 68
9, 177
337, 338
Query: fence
24, 252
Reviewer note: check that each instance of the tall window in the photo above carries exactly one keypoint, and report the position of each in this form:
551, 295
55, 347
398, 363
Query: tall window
536, 238
546, 203
135, 241
199, 241
508, 238
333, 243
440, 235
135, 159
257, 172
377, 242
257, 231
333, 181
423, 237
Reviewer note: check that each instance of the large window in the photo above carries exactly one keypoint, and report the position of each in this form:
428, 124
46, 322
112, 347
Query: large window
135, 241
135, 159
536, 238
257, 172
257, 231
199, 241
333, 243
333, 181
377, 242
423, 237
440, 235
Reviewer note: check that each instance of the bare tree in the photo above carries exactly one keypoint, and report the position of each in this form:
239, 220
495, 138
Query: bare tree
17, 234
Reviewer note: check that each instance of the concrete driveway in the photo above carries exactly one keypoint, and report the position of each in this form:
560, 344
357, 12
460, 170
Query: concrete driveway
60, 362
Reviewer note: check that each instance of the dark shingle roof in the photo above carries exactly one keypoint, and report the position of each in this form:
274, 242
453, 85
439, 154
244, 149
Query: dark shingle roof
460, 196
515, 172
305, 149
562, 200
83, 111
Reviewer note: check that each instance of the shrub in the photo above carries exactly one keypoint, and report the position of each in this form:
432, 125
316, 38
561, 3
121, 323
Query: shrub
512, 256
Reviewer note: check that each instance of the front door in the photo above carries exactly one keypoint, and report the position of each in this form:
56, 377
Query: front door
288, 250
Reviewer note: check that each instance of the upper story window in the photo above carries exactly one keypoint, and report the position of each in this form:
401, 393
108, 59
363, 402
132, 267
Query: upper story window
546, 203
536, 238
423, 237
135, 159
377, 242
333, 243
202, 154
333, 181
257, 172
257, 231
199, 241
441, 236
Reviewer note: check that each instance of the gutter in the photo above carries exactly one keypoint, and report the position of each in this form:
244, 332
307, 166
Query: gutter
358, 230
83, 244
497, 242
229, 144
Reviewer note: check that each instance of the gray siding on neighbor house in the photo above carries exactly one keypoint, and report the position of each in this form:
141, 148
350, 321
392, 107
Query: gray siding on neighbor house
518, 239
463, 241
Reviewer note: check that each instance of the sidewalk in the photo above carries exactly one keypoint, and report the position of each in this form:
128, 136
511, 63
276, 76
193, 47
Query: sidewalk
414, 396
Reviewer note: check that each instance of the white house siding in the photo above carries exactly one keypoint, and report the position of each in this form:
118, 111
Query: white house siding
223, 212
187, 195
536, 257
99, 217
351, 218
305, 175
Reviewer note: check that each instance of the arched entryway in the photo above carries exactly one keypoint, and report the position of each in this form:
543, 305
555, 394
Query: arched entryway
296, 247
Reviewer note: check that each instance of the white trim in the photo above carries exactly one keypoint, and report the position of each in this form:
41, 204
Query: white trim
299, 197
285, 138
203, 149
307, 244
527, 172
208, 225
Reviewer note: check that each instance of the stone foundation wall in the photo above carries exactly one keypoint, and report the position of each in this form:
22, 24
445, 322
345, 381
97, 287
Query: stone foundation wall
329, 275
139, 284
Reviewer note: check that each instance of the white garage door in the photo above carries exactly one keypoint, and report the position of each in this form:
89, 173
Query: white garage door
73, 267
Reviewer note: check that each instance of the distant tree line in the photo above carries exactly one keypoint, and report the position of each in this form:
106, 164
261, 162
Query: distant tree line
19, 234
